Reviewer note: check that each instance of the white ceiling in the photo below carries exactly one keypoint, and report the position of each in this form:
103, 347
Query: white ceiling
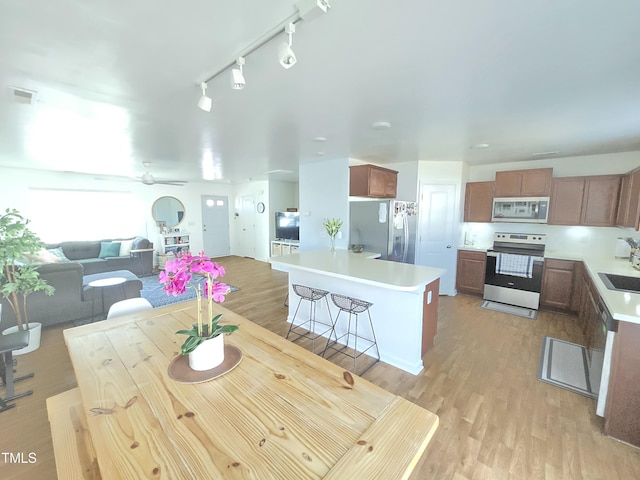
117, 83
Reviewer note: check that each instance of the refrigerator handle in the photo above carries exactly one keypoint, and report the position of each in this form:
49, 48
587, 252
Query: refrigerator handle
405, 240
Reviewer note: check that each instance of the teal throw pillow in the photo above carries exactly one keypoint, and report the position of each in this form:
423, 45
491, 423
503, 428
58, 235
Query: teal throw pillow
59, 253
109, 249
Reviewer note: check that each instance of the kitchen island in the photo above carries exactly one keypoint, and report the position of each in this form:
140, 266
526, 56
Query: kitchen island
404, 297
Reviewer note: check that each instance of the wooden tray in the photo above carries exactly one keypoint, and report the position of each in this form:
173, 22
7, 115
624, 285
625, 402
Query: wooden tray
180, 371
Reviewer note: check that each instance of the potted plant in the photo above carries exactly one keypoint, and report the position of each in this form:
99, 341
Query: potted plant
19, 279
332, 228
205, 340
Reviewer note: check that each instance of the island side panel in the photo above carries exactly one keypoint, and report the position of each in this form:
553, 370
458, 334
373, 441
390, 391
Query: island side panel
397, 316
430, 315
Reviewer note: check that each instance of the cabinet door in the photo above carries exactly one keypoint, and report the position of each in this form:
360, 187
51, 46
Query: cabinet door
478, 201
633, 211
508, 183
623, 202
536, 183
621, 416
558, 284
470, 272
372, 181
390, 185
600, 200
566, 201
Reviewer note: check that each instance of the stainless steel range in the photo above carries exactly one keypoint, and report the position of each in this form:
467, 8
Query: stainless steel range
513, 273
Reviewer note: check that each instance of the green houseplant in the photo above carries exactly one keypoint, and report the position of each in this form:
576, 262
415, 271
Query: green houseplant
19, 279
332, 227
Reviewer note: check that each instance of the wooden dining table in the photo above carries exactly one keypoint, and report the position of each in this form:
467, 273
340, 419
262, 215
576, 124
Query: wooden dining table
281, 413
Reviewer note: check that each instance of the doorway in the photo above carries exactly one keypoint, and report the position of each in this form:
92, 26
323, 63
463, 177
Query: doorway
436, 247
215, 225
247, 234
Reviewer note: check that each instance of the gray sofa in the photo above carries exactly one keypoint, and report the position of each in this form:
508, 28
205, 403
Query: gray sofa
73, 300
86, 253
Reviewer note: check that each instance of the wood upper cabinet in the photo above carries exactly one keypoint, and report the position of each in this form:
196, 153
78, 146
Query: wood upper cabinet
470, 272
566, 201
629, 205
589, 200
524, 183
559, 284
372, 181
478, 201
600, 200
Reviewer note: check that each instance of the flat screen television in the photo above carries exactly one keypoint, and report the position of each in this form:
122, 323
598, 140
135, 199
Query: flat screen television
288, 225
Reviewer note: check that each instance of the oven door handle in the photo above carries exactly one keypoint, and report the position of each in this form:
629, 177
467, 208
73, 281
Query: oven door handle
535, 259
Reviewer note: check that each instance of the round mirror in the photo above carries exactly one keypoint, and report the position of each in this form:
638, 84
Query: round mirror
169, 210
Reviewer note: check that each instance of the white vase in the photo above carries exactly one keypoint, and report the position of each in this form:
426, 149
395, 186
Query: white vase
35, 331
209, 354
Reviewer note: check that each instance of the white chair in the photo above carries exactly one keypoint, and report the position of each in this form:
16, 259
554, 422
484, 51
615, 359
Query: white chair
130, 305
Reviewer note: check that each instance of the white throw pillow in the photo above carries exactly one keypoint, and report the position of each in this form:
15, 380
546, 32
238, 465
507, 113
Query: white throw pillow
125, 247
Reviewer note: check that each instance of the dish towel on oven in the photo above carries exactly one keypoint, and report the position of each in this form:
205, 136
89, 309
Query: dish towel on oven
516, 265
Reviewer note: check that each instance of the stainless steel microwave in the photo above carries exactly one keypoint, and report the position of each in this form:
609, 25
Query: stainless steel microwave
520, 210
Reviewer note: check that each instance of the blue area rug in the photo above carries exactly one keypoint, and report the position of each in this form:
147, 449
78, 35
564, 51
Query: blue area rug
152, 291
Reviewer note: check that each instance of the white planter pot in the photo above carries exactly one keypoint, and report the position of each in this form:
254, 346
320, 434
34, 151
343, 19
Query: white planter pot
35, 331
208, 354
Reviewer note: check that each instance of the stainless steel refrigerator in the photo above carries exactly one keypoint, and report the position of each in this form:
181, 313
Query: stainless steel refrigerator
387, 227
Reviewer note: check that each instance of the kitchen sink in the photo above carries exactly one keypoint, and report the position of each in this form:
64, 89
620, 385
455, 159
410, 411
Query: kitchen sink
621, 283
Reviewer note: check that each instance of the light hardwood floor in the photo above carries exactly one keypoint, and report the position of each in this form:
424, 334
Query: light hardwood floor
497, 421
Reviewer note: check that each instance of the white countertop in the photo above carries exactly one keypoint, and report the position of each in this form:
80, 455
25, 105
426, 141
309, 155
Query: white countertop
362, 268
624, 306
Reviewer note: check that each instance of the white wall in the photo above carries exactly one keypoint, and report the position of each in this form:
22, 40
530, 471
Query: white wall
15, 185
605, 164
324, 193
260, 192
282, 195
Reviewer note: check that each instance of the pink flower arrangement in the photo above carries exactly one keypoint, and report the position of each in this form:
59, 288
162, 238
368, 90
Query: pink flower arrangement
179, 272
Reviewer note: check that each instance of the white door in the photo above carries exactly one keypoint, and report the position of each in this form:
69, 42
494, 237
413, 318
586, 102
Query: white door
436, 241
215, 225
247, 234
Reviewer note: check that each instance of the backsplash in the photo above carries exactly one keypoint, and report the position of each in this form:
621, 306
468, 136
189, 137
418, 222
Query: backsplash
595, 242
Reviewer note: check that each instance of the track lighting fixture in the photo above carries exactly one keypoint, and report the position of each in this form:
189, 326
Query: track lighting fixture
205, 102
305, 10
285, 53
237, 78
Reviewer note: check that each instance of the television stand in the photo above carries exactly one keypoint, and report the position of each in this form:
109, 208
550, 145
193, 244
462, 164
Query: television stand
284, 247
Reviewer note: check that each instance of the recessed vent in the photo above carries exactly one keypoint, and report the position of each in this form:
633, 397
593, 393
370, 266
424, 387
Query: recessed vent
22, 95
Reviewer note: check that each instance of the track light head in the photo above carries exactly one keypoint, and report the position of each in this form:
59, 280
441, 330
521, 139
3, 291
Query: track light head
205, 102
285, 53
237, 78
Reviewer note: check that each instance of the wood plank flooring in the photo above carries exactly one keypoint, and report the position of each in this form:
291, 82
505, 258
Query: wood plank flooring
497, 421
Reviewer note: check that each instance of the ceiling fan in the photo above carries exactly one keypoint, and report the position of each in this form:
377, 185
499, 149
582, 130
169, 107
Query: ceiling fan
149, 179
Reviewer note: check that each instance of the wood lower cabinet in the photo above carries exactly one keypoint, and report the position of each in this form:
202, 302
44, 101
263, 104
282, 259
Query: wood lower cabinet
470, 272
478, 201
524, 183
588, 314
372, 181
558, 284
622, 418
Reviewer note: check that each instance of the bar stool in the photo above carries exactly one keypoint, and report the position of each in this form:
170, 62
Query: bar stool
9, 343
312, 295
352, 306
